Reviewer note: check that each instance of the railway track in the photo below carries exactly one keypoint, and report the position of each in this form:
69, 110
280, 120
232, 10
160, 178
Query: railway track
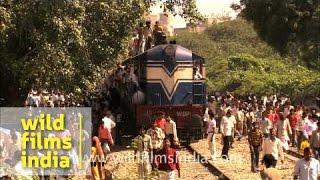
294, 153
238, 167
200, 168
205, 163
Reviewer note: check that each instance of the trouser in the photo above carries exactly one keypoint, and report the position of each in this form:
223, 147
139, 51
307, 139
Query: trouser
249, 126
171, 175
226, 146
212, 145
105, 147
118, 134
144, 167
293, 138
254, 157
240, 128
218, 123
316, 152
171, 138
245, 128
142, 45
232, 137
152, 156
148, 44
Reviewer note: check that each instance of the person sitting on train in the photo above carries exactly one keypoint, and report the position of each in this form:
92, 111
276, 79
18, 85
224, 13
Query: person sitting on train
141, 41
171, 131
161, 121
157, 27
147, 33
119, 72
133, 77
158, 34
197, 74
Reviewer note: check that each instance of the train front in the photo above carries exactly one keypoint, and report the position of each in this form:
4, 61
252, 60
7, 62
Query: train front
173, 81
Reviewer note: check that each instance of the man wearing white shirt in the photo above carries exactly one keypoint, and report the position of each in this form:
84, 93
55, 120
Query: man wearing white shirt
302, 135
240, 119
171, 130
211, 131
307, 168
227, 126
273, 146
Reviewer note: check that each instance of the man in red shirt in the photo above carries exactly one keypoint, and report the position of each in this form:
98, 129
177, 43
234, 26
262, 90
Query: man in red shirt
273, 116
293, 119
160, 122
167, 160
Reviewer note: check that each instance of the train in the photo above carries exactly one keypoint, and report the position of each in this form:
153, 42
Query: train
169, 79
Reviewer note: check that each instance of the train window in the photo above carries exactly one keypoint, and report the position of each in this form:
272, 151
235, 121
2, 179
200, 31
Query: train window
198, 93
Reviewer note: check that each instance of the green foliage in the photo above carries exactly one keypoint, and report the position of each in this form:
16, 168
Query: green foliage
237, 60
68, 45
292, 27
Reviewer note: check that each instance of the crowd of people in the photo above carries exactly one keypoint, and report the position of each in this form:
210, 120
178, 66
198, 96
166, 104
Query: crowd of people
152, 143
54, 98
272, 124
147, 36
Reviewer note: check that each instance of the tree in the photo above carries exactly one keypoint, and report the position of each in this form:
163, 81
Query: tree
237, 60
63, 44
292, 27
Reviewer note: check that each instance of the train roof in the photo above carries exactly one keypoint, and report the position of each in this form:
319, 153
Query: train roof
168, 52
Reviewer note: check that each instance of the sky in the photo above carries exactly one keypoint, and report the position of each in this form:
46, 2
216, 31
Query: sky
206, 7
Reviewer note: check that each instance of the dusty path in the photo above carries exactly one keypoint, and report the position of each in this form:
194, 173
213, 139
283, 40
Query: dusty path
238, 167
190, 169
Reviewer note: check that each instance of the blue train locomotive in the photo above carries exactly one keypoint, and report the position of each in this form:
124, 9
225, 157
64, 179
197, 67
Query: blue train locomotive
170, 79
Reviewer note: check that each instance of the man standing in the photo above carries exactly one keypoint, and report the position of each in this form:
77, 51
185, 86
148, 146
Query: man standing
226, 126
105, 138
315, 142
307, 168
157, 137
171, 130
293, 119
255, 139
211, 131
143, 146
266, 124
302, 135
273, 146
167, 160
284, 131
147, 33
240, 119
